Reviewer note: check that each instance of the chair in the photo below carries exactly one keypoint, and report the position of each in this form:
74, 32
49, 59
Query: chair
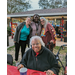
9, 59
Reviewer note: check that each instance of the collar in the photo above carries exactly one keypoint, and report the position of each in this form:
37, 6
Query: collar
34, 53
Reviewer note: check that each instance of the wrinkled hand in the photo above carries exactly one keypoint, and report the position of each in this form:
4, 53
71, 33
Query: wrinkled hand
20, 66
49, 72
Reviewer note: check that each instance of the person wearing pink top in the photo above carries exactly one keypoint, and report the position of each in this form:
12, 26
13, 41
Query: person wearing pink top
35, 25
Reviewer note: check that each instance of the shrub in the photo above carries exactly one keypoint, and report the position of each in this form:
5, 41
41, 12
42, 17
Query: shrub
9, 30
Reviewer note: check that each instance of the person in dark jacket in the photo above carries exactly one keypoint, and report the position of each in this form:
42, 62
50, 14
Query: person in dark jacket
39, 58
21, 37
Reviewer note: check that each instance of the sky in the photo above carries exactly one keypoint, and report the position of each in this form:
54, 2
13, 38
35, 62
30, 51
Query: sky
34, 4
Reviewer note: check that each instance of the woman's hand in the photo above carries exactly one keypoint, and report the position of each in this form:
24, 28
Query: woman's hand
52, 41
49, 72
20, 66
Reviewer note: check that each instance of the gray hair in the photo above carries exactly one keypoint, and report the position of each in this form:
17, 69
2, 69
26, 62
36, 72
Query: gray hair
45, 21
37, 37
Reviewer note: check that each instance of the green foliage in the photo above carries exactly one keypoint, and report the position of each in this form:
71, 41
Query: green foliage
14, 6
9, 30
49, 4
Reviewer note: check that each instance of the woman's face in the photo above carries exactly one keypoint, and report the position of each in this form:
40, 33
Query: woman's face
36, 18
28, 21
42, 22
36, 45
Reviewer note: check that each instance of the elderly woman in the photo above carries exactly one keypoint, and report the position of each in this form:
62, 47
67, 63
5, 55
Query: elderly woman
39, 58
48, 33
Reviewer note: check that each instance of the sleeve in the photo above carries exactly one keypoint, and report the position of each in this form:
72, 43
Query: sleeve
28, 40
24, 60
54, 64
16, 33
51, 31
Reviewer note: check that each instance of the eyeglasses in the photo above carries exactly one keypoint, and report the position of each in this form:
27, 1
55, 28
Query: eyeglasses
42, 21
36, 44
28, 19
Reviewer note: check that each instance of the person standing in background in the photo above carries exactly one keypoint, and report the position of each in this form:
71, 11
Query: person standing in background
48, 33
21, 37
35, 25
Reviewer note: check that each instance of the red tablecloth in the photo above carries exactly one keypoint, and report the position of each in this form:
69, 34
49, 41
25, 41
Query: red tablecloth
12, 70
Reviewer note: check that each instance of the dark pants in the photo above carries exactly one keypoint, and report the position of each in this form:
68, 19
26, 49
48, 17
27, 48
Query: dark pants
17, 47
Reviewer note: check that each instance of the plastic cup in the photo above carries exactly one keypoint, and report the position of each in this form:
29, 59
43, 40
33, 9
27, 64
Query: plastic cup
23, 71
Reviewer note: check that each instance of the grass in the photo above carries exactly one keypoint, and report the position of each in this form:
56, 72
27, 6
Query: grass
11, 50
